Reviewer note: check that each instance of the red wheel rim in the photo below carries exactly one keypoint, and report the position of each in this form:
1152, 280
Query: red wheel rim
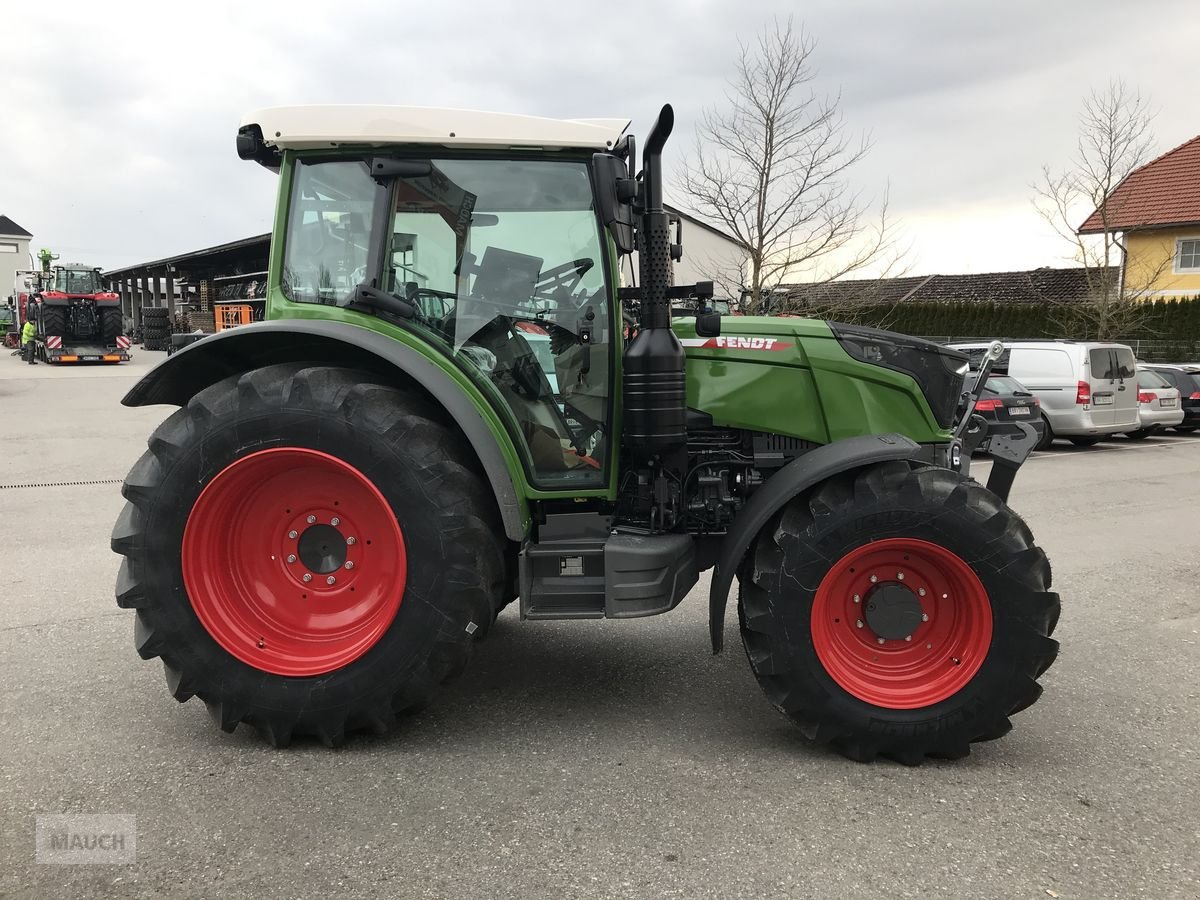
939, 594
264, 523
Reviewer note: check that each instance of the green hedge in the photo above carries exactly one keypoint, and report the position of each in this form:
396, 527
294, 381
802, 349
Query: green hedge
1174, 320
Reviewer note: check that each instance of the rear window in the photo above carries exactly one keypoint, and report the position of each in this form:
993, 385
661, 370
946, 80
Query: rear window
1101, 362
1002, 384
1126, 363
1033, 363
1148, 379
1193, 386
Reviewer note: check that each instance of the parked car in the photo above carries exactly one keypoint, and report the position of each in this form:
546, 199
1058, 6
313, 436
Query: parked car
1186, 379
1004, 399
1087, 390
1158, 404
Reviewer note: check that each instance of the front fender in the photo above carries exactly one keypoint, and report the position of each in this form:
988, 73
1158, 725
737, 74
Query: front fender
793, 479
189, 371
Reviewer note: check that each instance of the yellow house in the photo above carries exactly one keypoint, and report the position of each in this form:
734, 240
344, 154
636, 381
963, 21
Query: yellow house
1157, 212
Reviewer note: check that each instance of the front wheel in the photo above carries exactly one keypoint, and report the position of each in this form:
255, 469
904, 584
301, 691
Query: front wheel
1085, 441
307, 551
898, 611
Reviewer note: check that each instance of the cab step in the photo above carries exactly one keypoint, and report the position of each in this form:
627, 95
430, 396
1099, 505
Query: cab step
578, 570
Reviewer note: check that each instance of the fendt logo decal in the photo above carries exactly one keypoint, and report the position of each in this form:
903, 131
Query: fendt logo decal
735, 342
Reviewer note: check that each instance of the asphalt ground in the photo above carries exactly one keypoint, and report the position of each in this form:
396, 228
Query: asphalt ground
596, 759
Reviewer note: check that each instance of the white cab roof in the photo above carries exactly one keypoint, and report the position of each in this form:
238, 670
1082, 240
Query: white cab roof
315, 127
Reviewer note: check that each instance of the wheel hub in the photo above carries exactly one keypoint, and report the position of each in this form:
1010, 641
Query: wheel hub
294, 561
893, 611
322, 549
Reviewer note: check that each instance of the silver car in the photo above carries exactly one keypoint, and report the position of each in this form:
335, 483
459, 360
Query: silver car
1087, 389
1158, 404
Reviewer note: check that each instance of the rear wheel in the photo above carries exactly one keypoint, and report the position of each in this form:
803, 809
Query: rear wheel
899, 611
308, 552
1186, 429
1085, 441
1140, 435
54, 321
1047, 437
112, 325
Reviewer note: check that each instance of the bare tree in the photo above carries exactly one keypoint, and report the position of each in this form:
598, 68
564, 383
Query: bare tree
771, 165
1114, 140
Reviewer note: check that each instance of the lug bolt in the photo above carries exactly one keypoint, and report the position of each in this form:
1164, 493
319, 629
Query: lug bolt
920, 592
908, 638
945, 596
311, 519
292, 535
351, 541
929, 646
858, 624
874, 578
857, 598
879, 640
899, 576
307, 577
349, 564
261, 643
331, 580
291, 557
335, 521
924, 617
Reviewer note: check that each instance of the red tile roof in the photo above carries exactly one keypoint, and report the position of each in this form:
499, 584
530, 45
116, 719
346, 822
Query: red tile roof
1165, 191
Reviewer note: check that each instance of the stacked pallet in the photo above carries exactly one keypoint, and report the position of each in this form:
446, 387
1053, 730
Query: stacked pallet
196, 320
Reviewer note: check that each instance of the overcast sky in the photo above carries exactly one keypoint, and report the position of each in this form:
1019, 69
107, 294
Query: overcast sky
118, 124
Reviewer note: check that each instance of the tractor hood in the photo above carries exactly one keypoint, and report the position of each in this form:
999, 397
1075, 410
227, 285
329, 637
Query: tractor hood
821, 381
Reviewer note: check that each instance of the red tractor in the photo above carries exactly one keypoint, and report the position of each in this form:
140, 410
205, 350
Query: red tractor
77, 319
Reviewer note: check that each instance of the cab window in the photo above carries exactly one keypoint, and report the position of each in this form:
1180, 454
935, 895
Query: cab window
503, 261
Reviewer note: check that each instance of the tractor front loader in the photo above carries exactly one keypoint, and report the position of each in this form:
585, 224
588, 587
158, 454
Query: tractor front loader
453, 404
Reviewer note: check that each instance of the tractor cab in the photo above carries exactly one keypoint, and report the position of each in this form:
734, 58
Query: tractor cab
500, 263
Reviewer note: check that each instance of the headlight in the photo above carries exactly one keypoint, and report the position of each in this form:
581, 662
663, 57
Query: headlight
939, 371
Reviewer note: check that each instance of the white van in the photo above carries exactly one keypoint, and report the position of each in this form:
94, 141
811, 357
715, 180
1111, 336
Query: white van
1087, 389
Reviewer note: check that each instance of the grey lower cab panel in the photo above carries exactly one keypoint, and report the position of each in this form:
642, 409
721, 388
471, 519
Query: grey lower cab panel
621, 576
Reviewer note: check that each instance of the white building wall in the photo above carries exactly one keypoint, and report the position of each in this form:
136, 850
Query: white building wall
708, 255
14, 255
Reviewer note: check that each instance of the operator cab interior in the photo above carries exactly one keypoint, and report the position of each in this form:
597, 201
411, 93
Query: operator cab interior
501, 263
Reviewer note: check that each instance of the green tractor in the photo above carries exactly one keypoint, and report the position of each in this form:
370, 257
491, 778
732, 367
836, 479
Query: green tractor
452, 403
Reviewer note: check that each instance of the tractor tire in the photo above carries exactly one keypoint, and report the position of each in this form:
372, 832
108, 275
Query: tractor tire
1047, 436
54, 321
934, 655
1085, 441
112, 325
288, 471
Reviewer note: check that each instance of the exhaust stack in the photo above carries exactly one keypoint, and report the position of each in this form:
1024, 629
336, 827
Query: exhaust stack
655, 398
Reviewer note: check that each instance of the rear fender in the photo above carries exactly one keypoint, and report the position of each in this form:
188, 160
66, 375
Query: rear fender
190, 370
792, 480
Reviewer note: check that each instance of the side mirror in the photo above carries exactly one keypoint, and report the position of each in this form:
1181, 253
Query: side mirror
615, 192
708, 323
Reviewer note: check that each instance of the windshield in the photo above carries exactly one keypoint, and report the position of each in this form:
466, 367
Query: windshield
76, 281
502, 261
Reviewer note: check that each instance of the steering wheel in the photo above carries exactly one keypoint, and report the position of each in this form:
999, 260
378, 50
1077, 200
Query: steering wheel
561, 279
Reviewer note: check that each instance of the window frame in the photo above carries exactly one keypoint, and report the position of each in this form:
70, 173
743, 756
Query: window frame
1179, 267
